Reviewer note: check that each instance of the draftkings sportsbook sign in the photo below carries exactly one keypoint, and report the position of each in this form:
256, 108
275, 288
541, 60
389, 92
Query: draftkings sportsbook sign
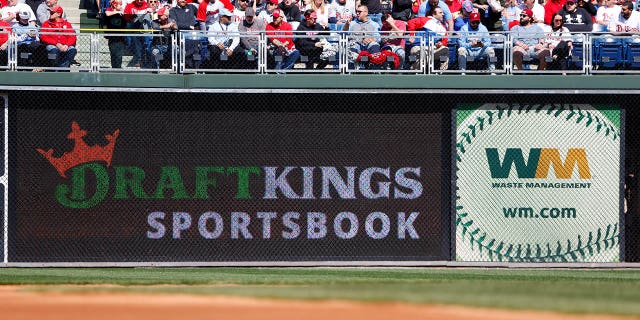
229, 186
537, 183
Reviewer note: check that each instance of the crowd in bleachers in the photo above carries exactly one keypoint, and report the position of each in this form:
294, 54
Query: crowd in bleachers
380, 33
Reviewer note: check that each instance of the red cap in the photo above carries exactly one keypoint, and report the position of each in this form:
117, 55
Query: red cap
276, 13
56, 9
162, 11
474, 16
528, 12
312, 15
273, 1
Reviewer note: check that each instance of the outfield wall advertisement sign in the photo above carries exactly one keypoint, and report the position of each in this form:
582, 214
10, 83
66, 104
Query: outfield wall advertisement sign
537, 183
110, 185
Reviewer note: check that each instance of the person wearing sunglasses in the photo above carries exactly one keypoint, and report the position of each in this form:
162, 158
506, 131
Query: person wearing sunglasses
576, 19
527, 41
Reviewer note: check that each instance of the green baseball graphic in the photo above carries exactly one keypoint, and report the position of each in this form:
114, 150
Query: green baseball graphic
537, 183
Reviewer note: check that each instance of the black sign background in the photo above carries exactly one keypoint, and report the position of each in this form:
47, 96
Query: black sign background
202, 130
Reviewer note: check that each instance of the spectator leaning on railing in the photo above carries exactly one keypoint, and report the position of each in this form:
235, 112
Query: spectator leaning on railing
63, 42
161, 45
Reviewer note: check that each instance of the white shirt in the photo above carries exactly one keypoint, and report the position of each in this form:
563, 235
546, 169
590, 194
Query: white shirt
631, 25
16, 11
223, 33
606, 15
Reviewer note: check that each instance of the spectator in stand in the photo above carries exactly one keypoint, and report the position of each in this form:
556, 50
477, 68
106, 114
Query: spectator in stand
536, 8
267, 14
62, 44
374, 8
437, 31
42, 11
364, 35
590, 7
475, 41
341, 11
490, 13
527, 41
12, 10
426, 7
559, 41
184, 17
402, 10
28, 43
393, 36
321, 11
250, 28
309, 44
258, 6
606, 15
114, 19
550, 8
136, 14
576, 19
454, 6
33, 4
280, 37
510, 15
627, 22
224, 42
291, 12
208, 12
5, 30
161, 45
463, 16
239, 11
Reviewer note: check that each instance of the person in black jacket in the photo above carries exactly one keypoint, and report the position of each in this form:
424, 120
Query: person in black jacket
402, 10
291, 12
576, 19
184, 17
309, 44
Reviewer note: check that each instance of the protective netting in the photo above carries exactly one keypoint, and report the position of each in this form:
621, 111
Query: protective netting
316, 177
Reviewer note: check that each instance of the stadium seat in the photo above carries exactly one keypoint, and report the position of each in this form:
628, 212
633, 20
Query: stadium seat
632, 54
608, 54
576, 59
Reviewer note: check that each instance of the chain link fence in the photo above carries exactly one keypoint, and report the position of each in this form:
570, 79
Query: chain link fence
466, 177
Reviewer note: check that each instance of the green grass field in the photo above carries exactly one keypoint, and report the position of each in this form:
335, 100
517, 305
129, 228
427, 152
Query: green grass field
574, 291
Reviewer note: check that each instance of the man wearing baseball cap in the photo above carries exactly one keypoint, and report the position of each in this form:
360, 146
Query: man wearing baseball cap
224, 43
280, 37
62, 42
475, 41
251, 26
11, 12
576, 19
526, 37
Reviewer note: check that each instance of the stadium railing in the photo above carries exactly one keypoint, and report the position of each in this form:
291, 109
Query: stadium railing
143, 51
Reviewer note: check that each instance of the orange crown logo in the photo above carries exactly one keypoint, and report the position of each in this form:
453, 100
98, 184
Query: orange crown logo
81, 153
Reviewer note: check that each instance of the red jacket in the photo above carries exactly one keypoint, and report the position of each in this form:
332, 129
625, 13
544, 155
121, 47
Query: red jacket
283, 33
550, 8
4, 27
202, 13
65, 33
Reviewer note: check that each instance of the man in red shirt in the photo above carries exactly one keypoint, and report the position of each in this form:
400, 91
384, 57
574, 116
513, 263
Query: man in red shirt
280, 37
62, 39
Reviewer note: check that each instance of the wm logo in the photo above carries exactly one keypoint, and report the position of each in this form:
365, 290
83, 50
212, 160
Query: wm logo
538, 164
